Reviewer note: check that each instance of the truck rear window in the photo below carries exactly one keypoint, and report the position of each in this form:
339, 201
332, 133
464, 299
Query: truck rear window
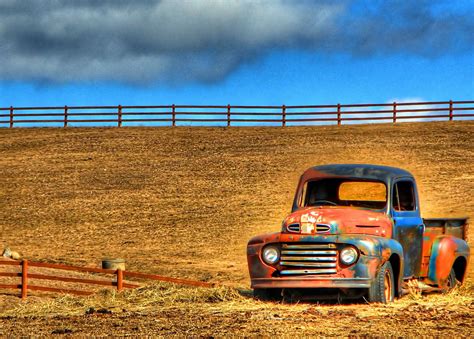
343, 192
362, 191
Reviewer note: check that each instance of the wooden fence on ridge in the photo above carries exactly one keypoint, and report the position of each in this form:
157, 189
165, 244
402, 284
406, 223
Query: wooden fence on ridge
116, 278
230, 115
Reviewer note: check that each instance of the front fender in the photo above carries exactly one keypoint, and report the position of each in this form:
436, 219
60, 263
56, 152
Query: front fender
444, 252
257, 268
376, 246
387, 249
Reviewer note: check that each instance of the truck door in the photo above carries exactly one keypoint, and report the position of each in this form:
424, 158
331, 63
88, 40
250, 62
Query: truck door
408, 224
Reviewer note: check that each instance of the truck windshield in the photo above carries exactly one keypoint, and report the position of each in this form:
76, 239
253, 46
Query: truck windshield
343, 192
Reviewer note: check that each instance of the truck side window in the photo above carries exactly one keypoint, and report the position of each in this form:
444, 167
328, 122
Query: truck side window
404, 196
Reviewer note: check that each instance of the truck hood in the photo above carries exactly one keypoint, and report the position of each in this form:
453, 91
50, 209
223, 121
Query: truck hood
338, 220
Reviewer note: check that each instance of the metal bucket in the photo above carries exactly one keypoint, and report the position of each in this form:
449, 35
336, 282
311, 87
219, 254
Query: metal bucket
113, 264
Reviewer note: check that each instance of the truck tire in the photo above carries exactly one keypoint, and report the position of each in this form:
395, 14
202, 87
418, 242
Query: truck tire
382, 288
267, 294
451, 282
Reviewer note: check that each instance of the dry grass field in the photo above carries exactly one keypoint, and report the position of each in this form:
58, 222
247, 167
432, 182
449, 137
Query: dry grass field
183, 202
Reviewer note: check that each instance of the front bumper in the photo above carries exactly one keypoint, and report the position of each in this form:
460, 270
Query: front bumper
313, 282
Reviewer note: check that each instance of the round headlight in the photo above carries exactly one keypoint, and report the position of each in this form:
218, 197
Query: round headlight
271, 255
348, 255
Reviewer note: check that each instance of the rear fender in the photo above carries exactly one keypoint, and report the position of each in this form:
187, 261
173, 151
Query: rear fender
444, 252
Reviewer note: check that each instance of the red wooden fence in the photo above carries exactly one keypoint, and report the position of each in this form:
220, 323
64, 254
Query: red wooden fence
117, 281
229, 115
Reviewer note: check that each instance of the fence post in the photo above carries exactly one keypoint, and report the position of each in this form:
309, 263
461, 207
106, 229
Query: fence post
228, 115
394, 112
119, 280
11, 116
24, 279
65, 116
173, 114
283, 115
450, 110
119, 116
339, 114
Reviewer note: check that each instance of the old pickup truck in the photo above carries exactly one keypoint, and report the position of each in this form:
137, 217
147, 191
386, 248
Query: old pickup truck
357, 230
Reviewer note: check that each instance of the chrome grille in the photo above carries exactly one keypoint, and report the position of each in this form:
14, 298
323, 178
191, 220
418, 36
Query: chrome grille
294, 228
304, 259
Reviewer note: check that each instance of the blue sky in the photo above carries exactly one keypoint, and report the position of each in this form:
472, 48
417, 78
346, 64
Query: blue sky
422, 51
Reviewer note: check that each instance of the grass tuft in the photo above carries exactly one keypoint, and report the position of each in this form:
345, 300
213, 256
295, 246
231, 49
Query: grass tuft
160, 295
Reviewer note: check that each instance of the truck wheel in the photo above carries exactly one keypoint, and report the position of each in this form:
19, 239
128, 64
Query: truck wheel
451, 282
382, 289
267, 294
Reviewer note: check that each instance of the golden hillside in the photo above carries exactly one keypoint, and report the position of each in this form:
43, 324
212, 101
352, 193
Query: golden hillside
184, 201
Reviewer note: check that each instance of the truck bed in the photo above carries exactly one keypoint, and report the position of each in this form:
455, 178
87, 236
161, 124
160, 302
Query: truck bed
456, 227
435, 227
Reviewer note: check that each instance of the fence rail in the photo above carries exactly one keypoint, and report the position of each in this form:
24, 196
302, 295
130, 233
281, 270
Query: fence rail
117, 281
233, 115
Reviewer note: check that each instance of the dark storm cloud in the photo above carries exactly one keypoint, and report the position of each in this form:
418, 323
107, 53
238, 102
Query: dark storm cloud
144, 41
